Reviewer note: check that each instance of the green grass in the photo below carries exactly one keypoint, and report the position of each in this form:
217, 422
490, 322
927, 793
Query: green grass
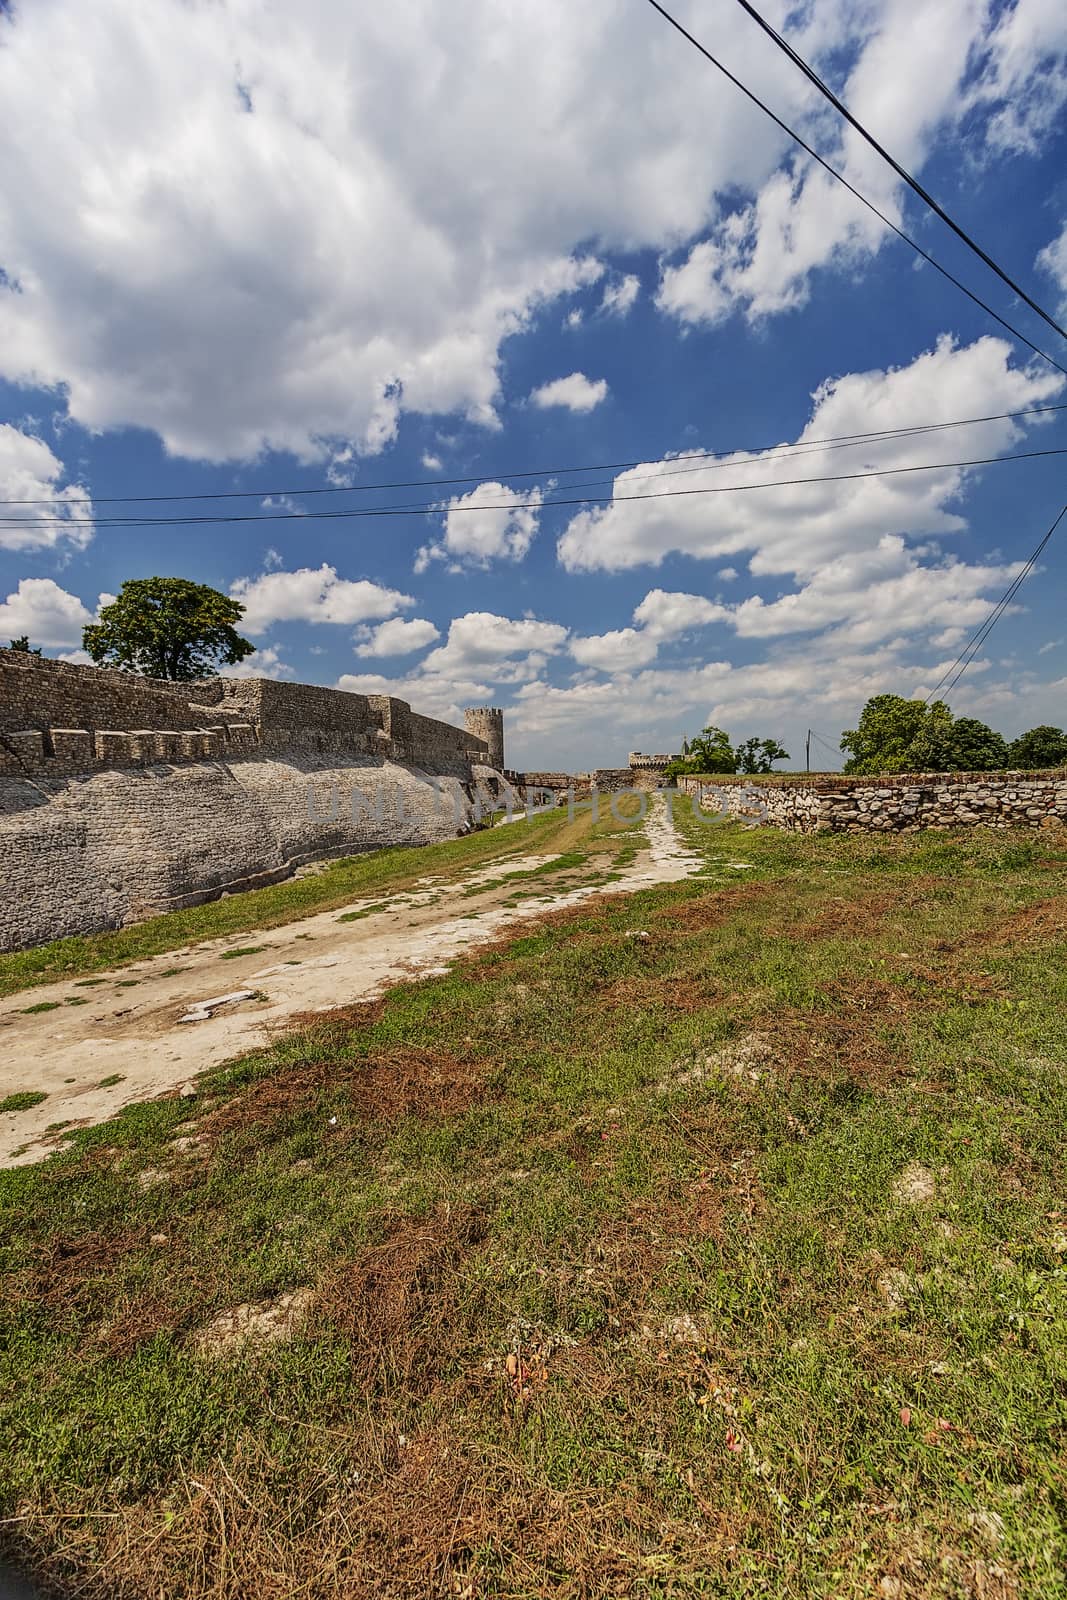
244, 950
365, 911
24, 1100
727, 1262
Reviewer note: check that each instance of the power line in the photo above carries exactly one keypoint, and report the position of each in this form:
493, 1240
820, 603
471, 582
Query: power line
902, 172
950, 678
353, 514
925, 254
708, 461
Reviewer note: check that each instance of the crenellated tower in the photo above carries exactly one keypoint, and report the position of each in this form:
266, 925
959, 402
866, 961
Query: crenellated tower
487, 722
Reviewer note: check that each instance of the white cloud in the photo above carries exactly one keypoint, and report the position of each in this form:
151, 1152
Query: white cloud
491, 523
1053, 260
619, 297
482, 653
399, 638
574, 393
1023, 82
265, 663
43, 611
798, 528
911, 78
298, 264
618, 651
283, 503
728, 574
313, 594
325, 251
666, 615
30, 472
431, 462
483, 642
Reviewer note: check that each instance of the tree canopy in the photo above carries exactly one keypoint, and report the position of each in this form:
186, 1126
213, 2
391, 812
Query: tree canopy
168, 628
1043, 746
711, 751
23, 643
899, 735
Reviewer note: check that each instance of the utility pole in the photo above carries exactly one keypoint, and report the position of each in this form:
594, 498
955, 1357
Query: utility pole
807, 752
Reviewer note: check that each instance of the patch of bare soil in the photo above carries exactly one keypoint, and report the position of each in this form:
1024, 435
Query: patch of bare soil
261, 1322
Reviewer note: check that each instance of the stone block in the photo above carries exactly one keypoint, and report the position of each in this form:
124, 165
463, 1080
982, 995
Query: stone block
73, 746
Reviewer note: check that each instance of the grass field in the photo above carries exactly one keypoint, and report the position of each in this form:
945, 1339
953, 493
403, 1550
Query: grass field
709, 1241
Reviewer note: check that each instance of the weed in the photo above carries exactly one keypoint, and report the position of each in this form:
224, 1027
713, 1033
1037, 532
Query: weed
23, 1100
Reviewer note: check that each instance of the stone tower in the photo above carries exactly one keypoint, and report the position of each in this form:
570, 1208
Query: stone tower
487, 722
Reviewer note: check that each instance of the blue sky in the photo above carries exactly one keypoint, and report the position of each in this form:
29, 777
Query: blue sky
257, 248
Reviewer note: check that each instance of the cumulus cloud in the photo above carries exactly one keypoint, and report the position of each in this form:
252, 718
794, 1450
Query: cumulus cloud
491, 523
47, 614
296, 265
313, 594
1023, 83
912, 75
294, 257
29, 471
616, 651
798, 528
482, 653
484, 642
265, 663
575, 393
666, 615
399, 638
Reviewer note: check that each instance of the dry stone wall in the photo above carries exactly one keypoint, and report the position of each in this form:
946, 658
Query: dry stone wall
900, 803
120, 798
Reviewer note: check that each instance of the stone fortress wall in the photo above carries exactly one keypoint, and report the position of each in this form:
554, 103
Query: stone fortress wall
902, 802
121, 797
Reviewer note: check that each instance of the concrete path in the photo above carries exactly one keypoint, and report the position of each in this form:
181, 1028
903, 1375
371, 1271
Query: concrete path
120, 1038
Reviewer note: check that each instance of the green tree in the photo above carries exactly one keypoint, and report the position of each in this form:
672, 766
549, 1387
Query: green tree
975, 747
168, 628
759, 755
1043, 746
709, 751
888, 735
23, 643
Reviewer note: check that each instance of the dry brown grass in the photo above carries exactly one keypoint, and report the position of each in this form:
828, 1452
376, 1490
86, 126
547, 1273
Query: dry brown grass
395, 1081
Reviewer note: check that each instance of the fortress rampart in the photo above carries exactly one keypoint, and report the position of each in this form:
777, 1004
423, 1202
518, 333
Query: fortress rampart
121, 797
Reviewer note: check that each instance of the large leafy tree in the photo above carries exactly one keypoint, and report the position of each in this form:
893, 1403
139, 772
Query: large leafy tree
1043, 746
974, 747
759, 755
898, 735
168, 628
888, 728
709, 751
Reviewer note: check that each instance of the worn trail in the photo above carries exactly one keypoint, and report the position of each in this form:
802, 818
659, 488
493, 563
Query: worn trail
95, 1045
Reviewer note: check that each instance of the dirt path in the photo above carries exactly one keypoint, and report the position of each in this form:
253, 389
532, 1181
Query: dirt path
97, 1044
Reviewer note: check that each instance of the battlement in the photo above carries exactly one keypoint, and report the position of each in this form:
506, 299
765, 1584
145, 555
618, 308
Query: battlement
57, 719
638, 761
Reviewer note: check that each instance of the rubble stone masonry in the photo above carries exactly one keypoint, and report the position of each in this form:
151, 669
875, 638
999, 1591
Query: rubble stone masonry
902, 802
